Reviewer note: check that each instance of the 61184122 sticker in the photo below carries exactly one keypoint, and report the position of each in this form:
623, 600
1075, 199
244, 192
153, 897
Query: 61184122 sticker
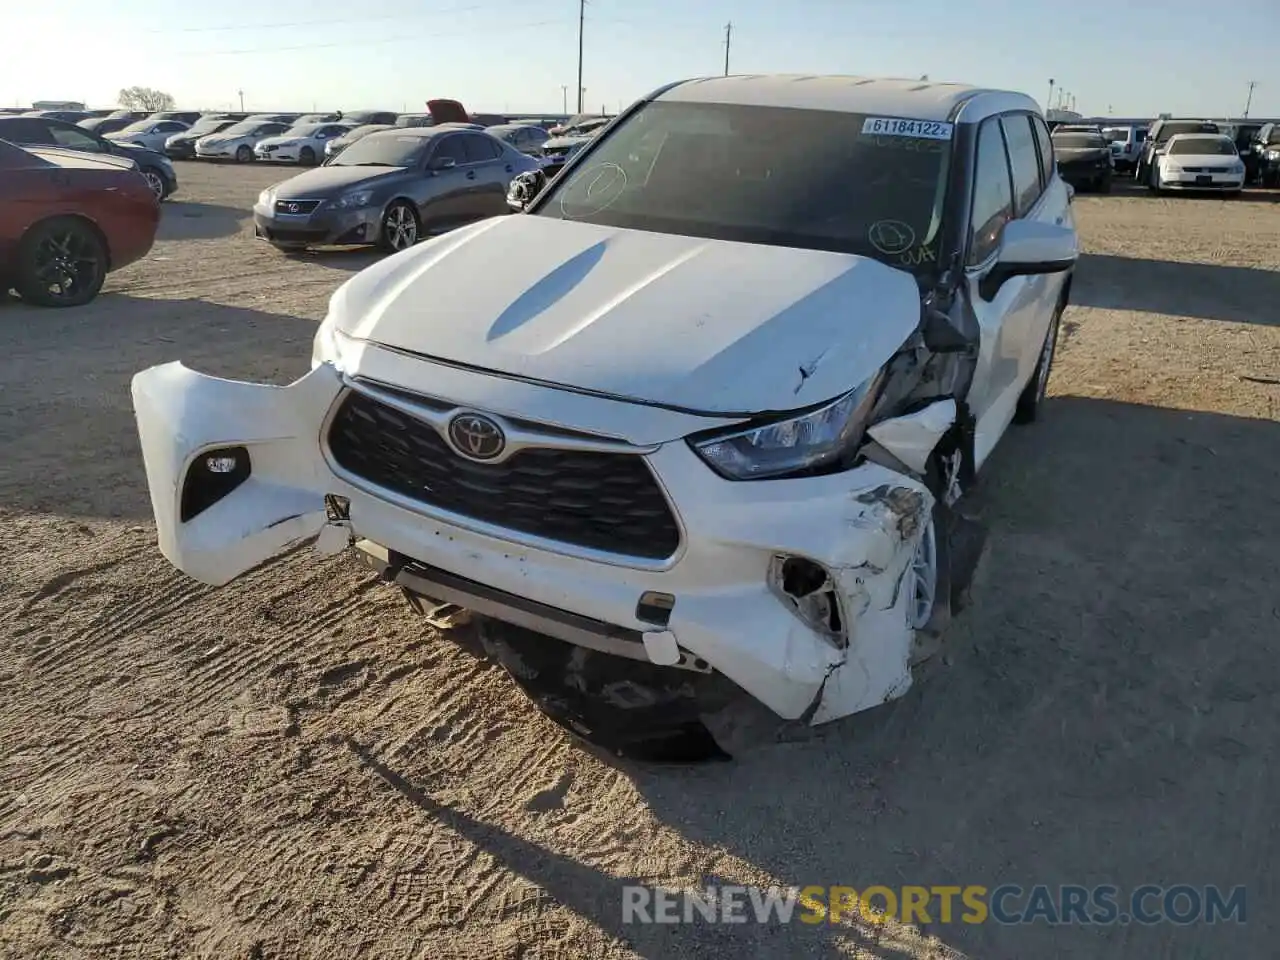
901, 127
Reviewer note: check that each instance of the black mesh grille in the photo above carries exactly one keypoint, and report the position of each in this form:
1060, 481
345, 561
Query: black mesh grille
602, 501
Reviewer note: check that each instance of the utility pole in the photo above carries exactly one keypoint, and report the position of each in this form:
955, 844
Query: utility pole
582, 19
241, 92
728, 39
1049, 102
564, 95
1249, 102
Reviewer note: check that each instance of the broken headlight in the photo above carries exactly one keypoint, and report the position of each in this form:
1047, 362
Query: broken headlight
816, 438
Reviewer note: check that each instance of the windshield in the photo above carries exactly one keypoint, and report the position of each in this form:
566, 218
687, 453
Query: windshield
243, 127
784, 176
303, 130
383, 150
209, 126
1079, 141
1203, 146
1117, 135
364, 131
138, 126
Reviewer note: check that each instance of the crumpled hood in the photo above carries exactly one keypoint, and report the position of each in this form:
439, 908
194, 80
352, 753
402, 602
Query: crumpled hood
703, 325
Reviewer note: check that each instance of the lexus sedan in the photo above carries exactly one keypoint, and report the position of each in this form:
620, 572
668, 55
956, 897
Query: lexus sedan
392, 188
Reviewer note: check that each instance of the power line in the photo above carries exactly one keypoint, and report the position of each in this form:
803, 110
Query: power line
319, 23
276, 48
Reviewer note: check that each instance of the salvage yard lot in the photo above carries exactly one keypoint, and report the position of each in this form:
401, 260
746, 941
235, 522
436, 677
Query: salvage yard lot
293, 766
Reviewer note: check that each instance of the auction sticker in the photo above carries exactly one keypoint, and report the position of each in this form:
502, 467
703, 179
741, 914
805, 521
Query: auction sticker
899, 127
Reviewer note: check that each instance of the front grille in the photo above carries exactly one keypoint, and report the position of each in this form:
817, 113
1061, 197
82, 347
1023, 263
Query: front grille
601, 501
296, 207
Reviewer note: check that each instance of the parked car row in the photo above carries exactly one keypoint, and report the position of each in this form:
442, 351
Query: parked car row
33, 131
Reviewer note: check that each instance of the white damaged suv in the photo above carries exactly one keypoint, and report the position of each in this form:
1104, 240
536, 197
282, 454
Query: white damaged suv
697, 421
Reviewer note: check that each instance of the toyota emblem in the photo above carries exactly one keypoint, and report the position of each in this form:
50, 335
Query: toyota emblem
476, 437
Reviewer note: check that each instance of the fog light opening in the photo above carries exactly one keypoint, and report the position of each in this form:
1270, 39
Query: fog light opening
806, 587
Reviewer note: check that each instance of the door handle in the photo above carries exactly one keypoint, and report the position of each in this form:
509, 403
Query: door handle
471, 174
508, 168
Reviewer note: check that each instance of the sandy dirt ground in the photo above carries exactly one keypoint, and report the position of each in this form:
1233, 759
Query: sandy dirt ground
293, 766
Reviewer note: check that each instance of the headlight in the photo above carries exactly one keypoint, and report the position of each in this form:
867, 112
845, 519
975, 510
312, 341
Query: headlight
1273, 154
267, 197
361, 198
814, 439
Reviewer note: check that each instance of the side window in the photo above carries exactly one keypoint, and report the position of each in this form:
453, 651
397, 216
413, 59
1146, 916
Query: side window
1023, 160
26, 130
170, 126
992, 193
1046, 148
481, 149
73, 139
450, 147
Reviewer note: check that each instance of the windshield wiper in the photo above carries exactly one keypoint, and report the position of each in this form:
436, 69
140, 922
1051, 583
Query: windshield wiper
368, 163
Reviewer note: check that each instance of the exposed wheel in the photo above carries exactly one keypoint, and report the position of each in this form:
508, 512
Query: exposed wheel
61, 263
922, 578
400, 227
155, 181
244, 154
1033, 393
307, 157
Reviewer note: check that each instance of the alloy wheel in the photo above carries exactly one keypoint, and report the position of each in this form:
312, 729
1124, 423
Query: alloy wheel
66, 264
400, 227
922, 579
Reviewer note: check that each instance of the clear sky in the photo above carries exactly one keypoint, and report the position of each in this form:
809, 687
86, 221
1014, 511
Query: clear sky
1136, 57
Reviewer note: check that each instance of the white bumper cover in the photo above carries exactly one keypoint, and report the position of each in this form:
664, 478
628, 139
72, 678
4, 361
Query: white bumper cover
862, 526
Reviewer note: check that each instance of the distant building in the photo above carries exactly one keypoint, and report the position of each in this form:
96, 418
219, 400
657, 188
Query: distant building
57, 105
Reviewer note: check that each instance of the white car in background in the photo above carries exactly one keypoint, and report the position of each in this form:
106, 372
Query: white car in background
1198, 161
237, 142
677, 431
339, 143
151, 134
1126, 145
302, 144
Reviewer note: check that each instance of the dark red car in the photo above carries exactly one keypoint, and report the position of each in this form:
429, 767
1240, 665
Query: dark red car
67, 219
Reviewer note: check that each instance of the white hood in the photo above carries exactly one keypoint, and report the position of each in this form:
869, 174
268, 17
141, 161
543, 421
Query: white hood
705, 325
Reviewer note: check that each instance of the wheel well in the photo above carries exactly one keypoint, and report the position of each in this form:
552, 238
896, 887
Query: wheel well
1065, 297
102, 237
412, 206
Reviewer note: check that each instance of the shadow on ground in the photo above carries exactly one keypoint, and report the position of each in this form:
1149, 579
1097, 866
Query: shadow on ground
199, 221
1107, 716
75, 451
1203, 290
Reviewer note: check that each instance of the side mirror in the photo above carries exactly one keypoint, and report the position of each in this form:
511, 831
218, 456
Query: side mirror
444, 163
1030, 248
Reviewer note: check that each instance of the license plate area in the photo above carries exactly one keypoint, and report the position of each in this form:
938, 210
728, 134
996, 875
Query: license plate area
1204, 178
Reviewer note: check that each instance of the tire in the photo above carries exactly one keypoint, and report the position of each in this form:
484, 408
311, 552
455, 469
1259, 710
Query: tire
155, 180
1104, 184
400, 227
244, 154
1153, 180
307, 157
65, 253
1028, 408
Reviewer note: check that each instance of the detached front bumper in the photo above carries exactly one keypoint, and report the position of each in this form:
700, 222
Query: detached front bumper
724, 601
323, 226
